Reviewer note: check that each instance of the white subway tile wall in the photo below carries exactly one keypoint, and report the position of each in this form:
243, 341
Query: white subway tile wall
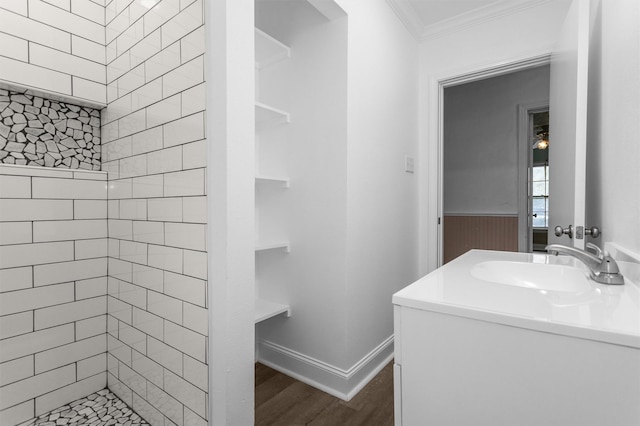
154, 150
57, 46
53, 288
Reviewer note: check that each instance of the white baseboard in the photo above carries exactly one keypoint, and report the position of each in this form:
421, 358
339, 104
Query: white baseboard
343, 384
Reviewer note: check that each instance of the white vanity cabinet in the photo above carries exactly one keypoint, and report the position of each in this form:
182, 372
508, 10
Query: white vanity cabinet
465, 356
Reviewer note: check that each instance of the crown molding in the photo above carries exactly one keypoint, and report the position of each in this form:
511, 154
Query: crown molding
498, 9
407, 15
490, 12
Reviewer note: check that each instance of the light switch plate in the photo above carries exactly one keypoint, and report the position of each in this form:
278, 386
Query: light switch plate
409, 166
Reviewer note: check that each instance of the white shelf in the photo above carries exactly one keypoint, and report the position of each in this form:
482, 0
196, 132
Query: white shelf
269, 50
273, 179
262, 246
265, 309
268, 115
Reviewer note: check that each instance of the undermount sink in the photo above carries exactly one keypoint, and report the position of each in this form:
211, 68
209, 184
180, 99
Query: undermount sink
539, 276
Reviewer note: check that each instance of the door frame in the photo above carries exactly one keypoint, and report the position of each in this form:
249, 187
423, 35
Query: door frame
524, 163
431, 218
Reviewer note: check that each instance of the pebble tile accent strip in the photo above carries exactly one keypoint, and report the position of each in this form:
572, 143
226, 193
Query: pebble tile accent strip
41, 132
102, 408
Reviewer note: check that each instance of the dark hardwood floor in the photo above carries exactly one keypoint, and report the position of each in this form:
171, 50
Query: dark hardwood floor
281, 400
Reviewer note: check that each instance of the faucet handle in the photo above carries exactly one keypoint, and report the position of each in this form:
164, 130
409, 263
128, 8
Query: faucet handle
609, 272
595, 250
609, 265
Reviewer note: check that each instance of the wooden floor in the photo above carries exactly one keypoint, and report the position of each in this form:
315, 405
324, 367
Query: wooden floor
281, 400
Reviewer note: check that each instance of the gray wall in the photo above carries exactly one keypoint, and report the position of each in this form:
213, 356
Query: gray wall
480, 141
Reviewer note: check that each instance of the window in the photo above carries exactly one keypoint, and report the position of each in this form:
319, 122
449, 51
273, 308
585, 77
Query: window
540, 196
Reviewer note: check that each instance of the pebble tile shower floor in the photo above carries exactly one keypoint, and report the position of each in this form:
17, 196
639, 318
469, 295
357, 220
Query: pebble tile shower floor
102, 408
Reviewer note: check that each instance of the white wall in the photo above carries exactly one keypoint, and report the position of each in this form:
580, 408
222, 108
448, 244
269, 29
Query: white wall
155, 152
230, 184
381, 196
56, 48
529, 33
53, 286
613, 151
481, 141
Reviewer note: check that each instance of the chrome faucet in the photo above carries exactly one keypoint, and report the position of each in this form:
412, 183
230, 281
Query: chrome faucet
603, 267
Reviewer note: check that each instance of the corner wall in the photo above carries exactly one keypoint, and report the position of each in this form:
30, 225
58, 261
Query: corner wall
382, 198
155, 152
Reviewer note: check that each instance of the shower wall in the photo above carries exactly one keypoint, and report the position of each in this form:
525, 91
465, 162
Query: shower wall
155, 153
54, 47
53, 267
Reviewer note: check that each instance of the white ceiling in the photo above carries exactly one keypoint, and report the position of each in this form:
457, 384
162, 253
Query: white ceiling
430, 18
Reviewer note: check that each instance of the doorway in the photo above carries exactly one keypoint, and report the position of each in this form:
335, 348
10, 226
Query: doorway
481, 180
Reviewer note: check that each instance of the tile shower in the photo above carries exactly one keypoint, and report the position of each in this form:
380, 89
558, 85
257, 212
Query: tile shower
102, 223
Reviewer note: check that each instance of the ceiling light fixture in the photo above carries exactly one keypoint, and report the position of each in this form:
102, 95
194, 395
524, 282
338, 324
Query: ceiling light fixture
543, 143
542, 138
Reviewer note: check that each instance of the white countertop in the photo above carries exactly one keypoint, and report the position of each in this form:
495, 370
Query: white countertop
607, 313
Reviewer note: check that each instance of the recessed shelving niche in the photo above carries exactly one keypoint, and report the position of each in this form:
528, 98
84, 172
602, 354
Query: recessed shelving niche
269, 52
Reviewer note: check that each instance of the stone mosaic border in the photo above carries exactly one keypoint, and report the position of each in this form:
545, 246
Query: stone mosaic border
35, 131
